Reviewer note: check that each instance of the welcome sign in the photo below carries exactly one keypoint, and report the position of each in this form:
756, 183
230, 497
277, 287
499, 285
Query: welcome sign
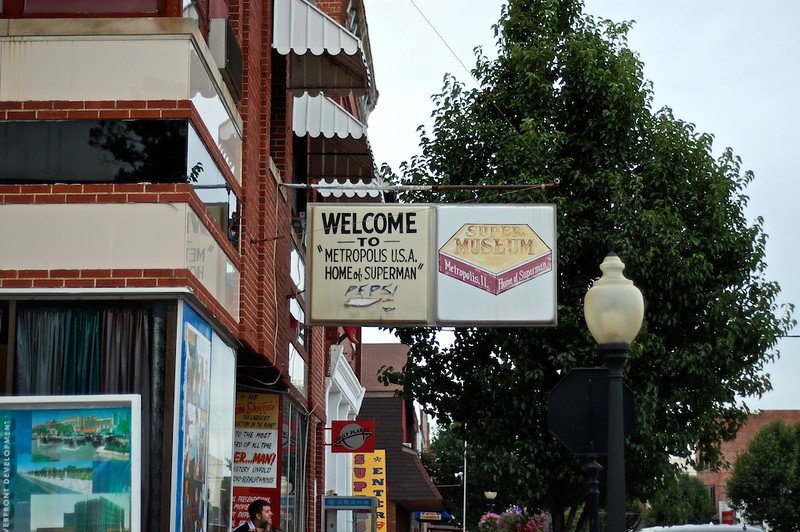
369, 264
379, 264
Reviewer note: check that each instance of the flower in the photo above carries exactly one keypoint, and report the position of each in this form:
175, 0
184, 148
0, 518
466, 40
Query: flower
514, 519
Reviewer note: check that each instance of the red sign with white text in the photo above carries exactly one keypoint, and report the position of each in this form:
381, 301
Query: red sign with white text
352, 436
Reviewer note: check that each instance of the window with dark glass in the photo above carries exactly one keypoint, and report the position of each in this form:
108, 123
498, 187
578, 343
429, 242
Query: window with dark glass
117, 151
294, 424
108, 7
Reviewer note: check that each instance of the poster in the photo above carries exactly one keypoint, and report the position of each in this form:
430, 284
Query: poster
369, 479
255, 453
70, 462
195, 390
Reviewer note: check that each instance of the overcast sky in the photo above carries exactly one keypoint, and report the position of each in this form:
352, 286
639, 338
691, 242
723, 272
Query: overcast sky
732, 67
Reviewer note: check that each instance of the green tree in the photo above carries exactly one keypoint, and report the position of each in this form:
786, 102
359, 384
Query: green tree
444, 461
681, 500
765, 481
566, 100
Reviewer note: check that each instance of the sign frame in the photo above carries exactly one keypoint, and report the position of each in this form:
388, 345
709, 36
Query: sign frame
343, 433
495, 266
68, 403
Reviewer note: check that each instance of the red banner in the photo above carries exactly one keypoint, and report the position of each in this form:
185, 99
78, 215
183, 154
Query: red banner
353, 436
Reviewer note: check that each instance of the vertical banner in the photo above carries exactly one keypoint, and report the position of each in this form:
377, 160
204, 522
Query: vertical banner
195, 391
70, 463
255, 454
369, 480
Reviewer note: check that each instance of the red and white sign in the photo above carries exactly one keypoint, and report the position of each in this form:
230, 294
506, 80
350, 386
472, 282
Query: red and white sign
352, 436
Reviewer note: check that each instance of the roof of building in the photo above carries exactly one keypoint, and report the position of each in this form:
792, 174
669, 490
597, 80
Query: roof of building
376, 356
408, 483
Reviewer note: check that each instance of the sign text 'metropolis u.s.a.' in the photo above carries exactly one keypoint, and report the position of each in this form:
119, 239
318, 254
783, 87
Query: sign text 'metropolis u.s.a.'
433, 264
369, 263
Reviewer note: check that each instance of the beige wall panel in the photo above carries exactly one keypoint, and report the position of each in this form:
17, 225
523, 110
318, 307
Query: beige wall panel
44, 237
102, 69
209, 263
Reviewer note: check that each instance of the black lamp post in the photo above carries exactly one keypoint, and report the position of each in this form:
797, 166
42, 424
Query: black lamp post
490, 496
614, 310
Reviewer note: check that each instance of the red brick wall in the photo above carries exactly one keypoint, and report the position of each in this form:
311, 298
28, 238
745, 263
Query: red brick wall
732, 449
334, 8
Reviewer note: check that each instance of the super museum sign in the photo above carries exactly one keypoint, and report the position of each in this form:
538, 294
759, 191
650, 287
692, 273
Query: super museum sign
438, 265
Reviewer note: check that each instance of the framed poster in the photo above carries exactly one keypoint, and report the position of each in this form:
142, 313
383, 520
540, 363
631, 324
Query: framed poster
70, 462
256, 462
194, 391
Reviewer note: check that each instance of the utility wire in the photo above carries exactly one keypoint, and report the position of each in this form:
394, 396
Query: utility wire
477, 81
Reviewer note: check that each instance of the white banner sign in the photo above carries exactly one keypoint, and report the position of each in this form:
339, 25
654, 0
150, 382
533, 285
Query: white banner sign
379, 264
369, 264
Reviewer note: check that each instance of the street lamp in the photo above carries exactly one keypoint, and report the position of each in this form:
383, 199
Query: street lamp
490, 496
614, 309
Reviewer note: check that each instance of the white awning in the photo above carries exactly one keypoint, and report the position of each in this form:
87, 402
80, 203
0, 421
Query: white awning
323, 55
319, 115
333, 188
338, 146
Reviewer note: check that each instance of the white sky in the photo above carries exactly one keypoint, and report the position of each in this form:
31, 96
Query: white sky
732, 67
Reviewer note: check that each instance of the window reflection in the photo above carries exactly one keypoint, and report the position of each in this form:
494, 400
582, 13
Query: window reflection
298, 270
297, 370
299, 315
210, 185
117, 151
293, 468
214, 114
93, 151
220, 437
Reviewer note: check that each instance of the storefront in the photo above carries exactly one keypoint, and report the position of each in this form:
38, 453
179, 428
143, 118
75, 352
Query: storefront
163, 351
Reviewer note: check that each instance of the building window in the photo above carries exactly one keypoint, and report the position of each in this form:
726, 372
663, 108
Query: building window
222, 408
90, 7
95, 348
298, 370
298, 345
93, 151
117, 151
293, 467
712, 491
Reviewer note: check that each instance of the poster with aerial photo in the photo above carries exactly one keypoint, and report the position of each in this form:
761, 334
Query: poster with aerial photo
69, 463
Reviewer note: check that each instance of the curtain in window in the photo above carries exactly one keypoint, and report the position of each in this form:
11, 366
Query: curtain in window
39, 353
81, 372
126, 368
95, 348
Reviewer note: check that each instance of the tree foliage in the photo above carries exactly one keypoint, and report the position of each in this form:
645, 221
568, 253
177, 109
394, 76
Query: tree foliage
681, 500
566, 100
765, 481
444, 461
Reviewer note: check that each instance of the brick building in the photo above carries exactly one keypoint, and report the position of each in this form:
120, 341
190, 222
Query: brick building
716, 481
147, 243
